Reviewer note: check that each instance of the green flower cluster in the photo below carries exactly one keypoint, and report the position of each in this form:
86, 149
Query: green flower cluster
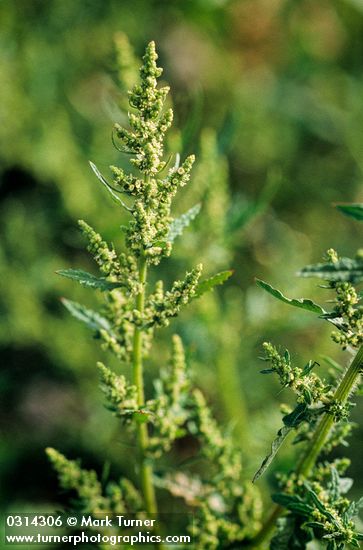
163, 306
148, 231
105, 257
115, 498
319, 509
342, 275
149, 125
230, 509
308, 387
339, 435
170, 405
348, 309
314, 493
121, 397
126, 326
314, 398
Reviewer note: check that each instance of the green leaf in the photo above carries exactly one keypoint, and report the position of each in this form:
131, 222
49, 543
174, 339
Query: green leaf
353, 210
286, 500
91, 318
315, 525
313, 497
178, 225
297, 416
308, 368
88, 280
293, 503
276, 444
109, 188
209, 284
302, 303
344, 270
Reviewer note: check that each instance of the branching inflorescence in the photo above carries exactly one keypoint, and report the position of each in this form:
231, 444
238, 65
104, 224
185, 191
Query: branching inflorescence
312, 503
227, 509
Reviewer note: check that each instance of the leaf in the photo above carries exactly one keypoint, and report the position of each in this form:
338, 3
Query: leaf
319, 504
353, 210
91, 318
302, 303
297, 416
315, 525
286, 500
276, 444
308, 368
209, 284
88, 280
343, 270
293, 503
178, 225
104, 182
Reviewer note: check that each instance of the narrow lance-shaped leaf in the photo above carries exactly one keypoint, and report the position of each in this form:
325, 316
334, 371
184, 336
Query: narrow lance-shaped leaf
293, 503
178, 225
91, 318
321, 506
353, 210
209, 284
88, 280
298, 415
301, 303
276, 444
104, 182
343, 270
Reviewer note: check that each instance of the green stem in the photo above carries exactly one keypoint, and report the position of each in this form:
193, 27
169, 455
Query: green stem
341, 395
344, 389
138, 379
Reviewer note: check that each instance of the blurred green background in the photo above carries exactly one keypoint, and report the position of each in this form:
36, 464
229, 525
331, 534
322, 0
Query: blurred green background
269, 95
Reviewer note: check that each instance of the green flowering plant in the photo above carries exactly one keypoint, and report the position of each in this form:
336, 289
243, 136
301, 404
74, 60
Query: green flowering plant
227, 509
312, 502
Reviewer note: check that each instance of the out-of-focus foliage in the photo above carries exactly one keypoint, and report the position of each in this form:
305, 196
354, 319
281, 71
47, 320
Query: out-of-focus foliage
271, 90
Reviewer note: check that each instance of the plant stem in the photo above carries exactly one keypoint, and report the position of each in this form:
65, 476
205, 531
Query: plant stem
323, 429
344, 389
138, 379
